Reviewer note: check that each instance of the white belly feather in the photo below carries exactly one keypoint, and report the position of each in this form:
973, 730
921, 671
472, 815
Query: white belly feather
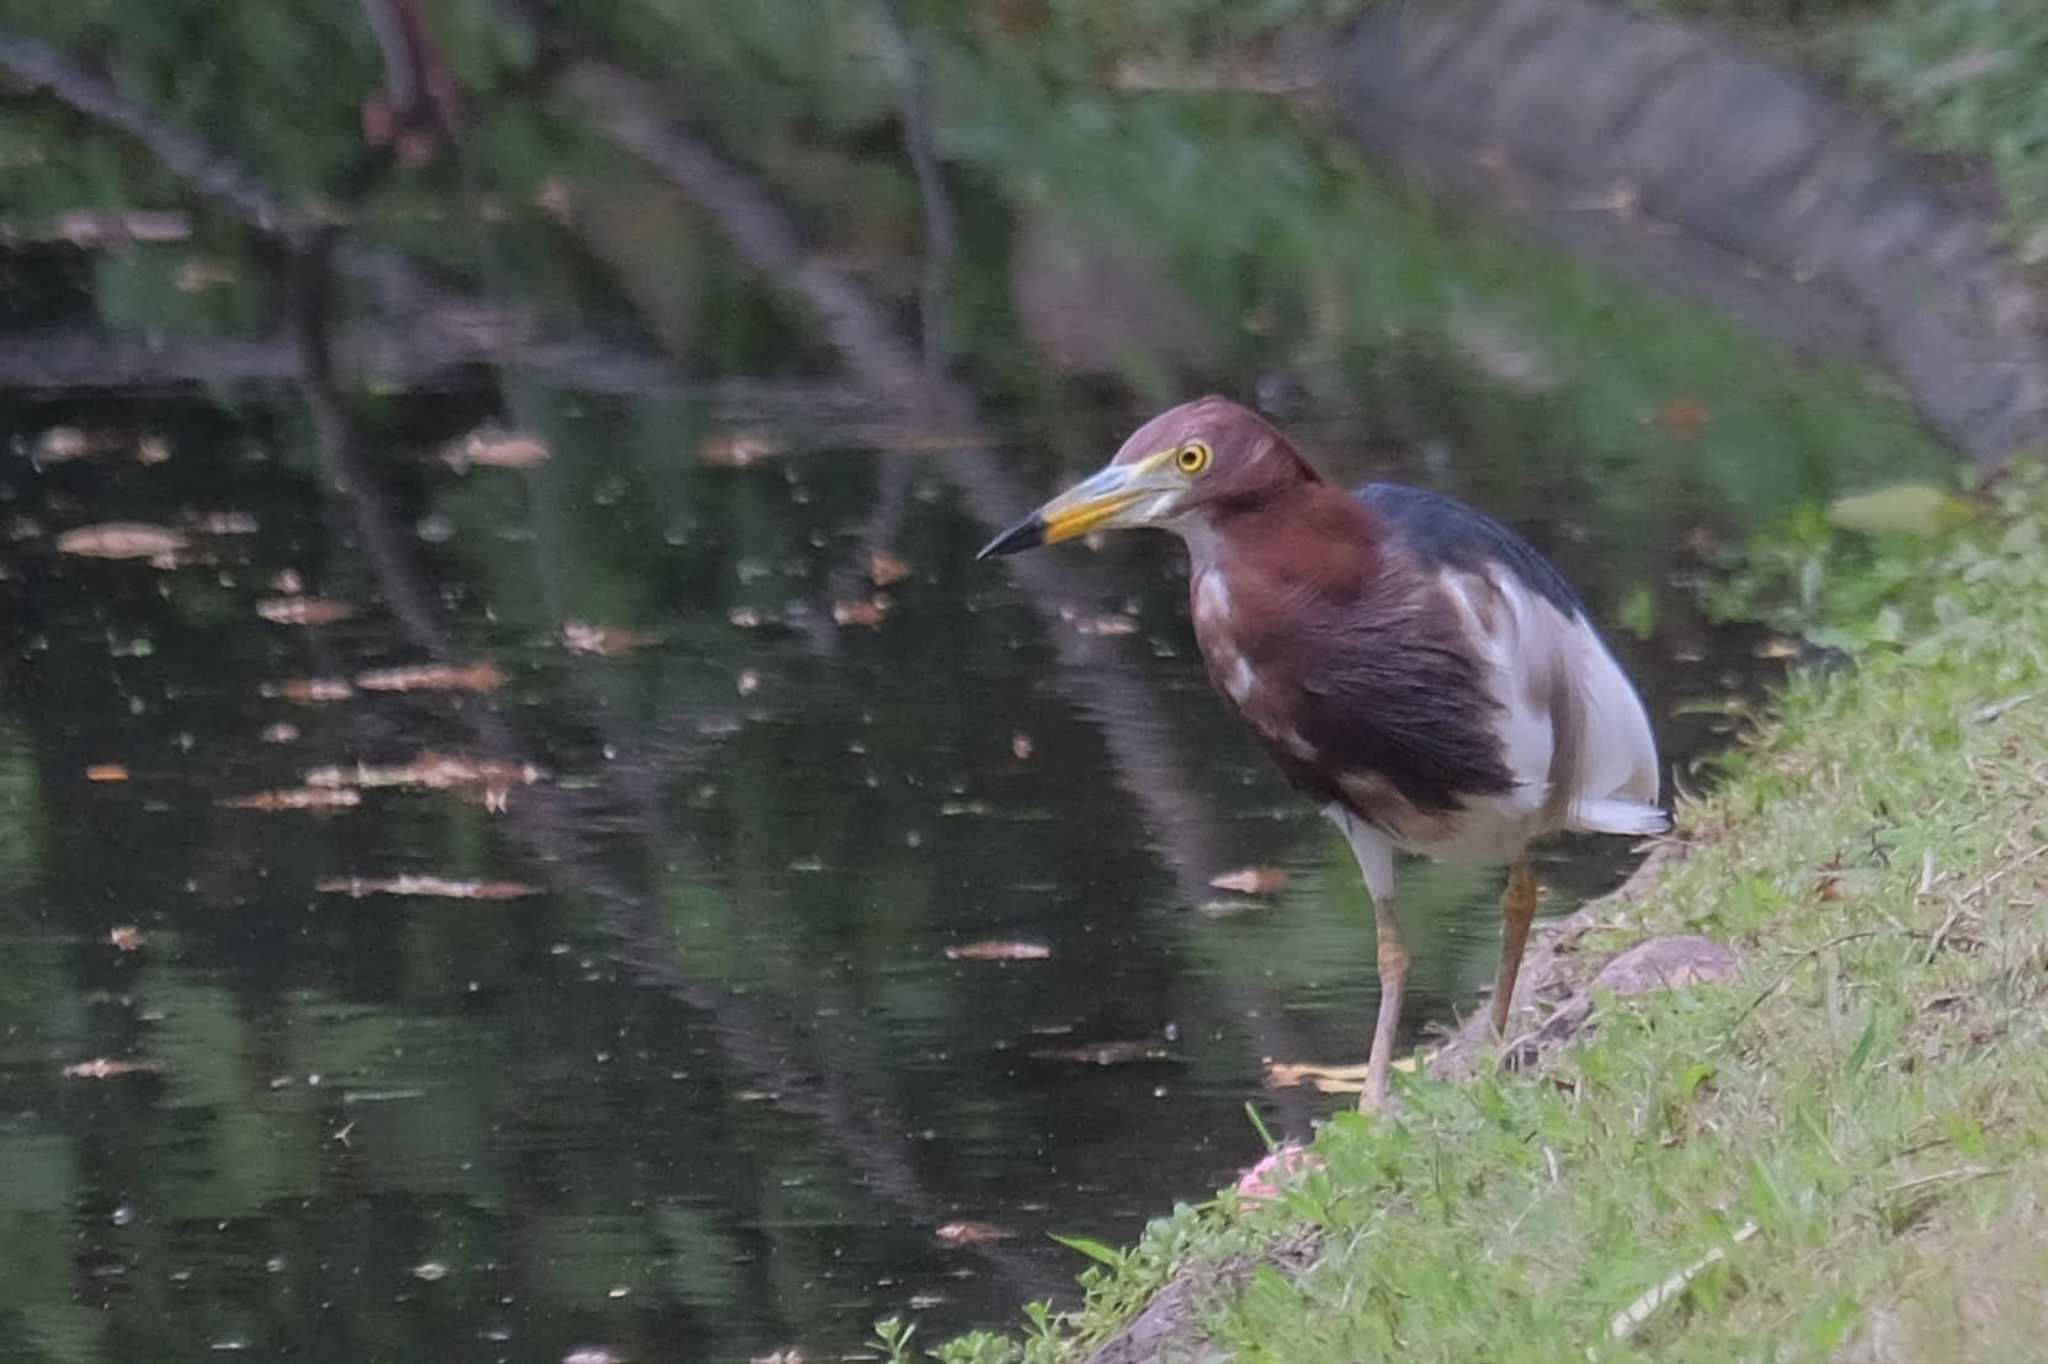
1574, 735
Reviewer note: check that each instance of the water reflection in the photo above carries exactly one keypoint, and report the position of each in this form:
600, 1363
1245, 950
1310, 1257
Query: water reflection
715, 1084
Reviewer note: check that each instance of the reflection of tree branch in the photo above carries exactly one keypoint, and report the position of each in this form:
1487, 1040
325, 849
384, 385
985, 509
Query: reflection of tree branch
914, 82
767, 1052
630, 111
184, 155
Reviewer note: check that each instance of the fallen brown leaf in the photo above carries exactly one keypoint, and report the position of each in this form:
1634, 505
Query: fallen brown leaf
971, 1233
885, 569
1112, 624
999, 951
581, 637
433, 771
105, 1068
226, 523
106, 772
197, 276
300, 798
127, 937
152, 450
1106, 1053
283, 732
356, 887
120, 540
309, 691
1325, 1079
1252, 880
61, 443
738, 449
1021, 747
869, 611
497, 449
479, 677
749, 682
303, 610
745, 617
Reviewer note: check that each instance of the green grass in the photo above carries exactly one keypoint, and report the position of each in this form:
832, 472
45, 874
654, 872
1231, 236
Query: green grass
1868, 1092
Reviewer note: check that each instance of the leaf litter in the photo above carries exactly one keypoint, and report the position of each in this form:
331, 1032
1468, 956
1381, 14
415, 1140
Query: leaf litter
999, 951
297, 798
1252, 880
303, 610
498, 449
121, 540
434, 887
476, 677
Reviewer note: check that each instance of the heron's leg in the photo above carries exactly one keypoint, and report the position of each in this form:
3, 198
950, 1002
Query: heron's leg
1393, 955
1375, 856
1517, 908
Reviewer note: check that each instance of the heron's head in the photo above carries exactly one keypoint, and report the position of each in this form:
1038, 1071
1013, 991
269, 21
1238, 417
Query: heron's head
1185, 467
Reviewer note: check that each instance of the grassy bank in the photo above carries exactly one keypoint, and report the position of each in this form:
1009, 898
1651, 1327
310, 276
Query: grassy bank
1839, 1150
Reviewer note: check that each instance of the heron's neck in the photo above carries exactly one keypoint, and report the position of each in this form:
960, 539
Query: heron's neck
1311, 536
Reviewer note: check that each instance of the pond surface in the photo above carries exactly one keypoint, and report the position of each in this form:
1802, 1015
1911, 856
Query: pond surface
488, 878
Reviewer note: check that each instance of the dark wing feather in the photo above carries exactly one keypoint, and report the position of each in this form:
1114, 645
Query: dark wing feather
1391, 692
1444, 533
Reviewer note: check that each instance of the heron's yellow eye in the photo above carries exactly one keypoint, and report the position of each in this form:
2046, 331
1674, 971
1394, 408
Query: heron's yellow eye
1192, 458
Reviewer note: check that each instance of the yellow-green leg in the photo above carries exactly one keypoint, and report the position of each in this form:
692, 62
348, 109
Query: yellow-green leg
1517, 909
1393, 958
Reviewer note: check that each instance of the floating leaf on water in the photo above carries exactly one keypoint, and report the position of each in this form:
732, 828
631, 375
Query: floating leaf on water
738, 449
303, 610
127, 937
438, 887
106, 772
498, 449
868, 611
1327, 1079
793, 1355
226, 523
1252, 880
300, 798
1112, 624
430, 1270
999, 951
105, 1068
433, 771
1106, 1053
61, 443
478, 677
749, 682
971, 1233
592, 1354
283, 732
745, 617
1021, 747
286, 582
885, 569
120, 540
152, 450
1778, 646
89, 228
1905, 508
197, 275
309, 691
581, 637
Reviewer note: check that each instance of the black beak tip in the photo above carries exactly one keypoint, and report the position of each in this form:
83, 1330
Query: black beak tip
1026, 534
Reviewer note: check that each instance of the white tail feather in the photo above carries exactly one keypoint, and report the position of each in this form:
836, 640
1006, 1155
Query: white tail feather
1618, 816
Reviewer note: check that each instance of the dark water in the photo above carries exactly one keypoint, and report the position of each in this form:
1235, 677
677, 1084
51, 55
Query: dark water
713, 1084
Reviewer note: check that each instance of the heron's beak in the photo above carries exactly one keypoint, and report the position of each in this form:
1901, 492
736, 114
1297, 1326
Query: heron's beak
1115, 497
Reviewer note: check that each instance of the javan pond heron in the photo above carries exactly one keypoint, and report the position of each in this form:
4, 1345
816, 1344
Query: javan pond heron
1415, 667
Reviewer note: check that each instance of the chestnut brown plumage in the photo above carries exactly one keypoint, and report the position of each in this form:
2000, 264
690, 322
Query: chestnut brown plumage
1416, 668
